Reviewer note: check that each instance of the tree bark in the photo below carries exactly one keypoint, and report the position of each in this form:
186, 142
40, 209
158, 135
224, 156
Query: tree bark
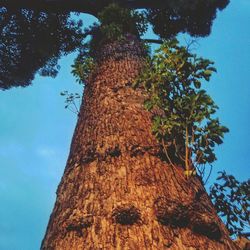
117, 191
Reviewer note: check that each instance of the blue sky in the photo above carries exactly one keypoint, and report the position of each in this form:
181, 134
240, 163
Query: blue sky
36, 130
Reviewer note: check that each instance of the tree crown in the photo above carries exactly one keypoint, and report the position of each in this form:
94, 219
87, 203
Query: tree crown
35, 34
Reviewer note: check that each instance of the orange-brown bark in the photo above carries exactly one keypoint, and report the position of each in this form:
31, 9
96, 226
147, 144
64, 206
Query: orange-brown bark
117, 192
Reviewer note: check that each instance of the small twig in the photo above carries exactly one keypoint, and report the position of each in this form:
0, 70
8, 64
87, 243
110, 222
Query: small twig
172, 165
191, 42
75, 107
73, 111
166, 153
181, 157
210, 172
198, 160
187, 151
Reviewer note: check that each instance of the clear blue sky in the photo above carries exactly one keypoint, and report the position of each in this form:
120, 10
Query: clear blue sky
36, 130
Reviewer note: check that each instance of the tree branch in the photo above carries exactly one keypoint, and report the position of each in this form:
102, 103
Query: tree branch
56, 6
84, 6
153, 41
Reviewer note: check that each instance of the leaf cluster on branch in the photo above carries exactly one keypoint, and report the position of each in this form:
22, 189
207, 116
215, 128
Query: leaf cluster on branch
32, 42
231, 199
114, 24
183, 114
82, 67
72, 101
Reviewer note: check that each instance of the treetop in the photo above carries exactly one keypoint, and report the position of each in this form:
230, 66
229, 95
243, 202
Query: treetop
35, 34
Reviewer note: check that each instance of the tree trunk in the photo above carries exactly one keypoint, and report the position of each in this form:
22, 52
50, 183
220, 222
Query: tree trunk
117, 191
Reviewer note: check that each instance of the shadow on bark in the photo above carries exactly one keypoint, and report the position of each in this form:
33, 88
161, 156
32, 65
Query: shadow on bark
126, 215
194, 216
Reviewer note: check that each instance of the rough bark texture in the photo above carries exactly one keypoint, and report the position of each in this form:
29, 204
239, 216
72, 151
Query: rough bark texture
117, 192
243, 243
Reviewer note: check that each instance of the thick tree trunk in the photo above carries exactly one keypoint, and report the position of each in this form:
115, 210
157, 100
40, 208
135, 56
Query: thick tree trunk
117, 192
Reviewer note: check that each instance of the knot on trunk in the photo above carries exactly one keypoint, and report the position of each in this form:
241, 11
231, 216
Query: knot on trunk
79, 224
202, 222
93, 153
171, 212
195, 216
204, 225
89, 156
136, 150
128, 215
113, 152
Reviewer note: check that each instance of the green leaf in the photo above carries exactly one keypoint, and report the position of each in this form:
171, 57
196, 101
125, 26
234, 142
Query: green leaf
197, 84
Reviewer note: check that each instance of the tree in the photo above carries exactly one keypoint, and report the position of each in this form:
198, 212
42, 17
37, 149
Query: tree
117, 191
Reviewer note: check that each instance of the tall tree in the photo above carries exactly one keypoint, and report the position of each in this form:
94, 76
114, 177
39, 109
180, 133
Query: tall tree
117, 192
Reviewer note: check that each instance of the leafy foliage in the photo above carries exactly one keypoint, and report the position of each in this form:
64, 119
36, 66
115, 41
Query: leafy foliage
115, 22
32, 41
183, 113
193, 17
82, 67
231, 199
183, 123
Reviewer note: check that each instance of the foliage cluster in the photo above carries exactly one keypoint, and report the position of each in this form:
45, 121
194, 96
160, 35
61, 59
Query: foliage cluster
114, 23
82, 67
194, 17
231, 199
183, 119
32, 42
183, 123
